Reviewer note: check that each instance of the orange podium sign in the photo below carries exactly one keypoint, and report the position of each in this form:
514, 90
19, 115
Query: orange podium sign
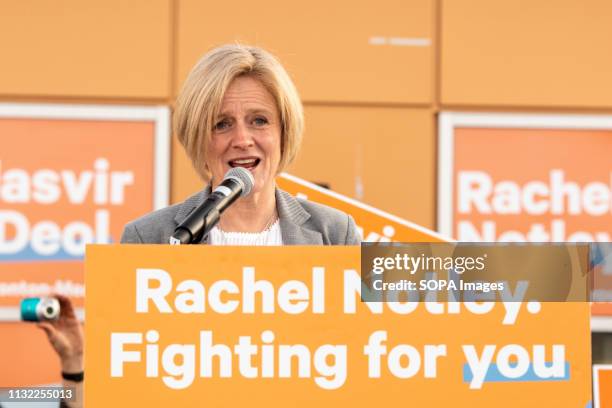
195, 326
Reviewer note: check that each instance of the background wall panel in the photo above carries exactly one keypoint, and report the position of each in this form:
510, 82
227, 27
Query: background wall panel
527, 53
384, 157
184, 180
336, 51
72, 48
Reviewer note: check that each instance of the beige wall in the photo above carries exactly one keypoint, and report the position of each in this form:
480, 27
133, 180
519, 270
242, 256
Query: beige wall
326, 45
380, 155
95, 49
373, 75
527, 54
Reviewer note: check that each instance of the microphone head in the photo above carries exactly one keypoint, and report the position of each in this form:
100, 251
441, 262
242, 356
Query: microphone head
243, 177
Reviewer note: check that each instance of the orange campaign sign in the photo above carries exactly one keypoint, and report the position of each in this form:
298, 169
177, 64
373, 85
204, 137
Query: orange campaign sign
225, 326
526, 178
373, 224
69, 176
602, 385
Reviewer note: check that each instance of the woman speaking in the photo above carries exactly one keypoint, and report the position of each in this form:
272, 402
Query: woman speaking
239, 108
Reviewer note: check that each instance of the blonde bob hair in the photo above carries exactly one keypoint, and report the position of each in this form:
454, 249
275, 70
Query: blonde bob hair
199, 102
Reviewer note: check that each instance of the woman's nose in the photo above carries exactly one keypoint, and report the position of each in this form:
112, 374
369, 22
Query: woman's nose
242, 137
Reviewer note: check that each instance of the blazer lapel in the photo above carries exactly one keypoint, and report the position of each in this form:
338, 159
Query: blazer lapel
292, 217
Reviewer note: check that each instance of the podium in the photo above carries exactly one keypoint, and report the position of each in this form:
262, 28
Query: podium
193, 326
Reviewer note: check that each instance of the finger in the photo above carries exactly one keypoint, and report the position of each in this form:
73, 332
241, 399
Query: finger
53, 336
66, 308
49, 330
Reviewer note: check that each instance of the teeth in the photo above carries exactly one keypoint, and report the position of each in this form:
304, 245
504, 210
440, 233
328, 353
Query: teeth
244, 161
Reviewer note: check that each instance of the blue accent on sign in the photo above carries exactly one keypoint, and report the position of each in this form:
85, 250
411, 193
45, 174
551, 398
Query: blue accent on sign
29, 255
493, 374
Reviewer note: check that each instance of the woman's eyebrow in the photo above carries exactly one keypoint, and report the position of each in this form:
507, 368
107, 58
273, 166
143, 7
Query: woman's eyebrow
261, 111
220, 116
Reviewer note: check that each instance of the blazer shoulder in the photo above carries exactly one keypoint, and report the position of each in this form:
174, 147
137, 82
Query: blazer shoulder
157, 226
337, 227
152, 228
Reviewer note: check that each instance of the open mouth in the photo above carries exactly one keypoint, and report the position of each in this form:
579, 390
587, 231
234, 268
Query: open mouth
248, 163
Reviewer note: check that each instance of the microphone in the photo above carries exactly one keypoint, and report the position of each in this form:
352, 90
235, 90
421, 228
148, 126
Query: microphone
238, 182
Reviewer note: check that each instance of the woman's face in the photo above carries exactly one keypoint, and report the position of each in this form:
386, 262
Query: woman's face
246, 134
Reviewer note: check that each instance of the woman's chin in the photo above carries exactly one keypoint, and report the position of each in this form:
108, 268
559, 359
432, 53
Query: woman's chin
262, 186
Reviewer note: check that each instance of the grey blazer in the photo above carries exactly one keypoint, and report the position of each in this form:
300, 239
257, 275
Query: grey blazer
302, 222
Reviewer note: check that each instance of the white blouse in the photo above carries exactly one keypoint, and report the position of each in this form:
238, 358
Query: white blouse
271, 236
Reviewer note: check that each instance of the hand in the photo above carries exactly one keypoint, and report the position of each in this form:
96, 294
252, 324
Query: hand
66, 336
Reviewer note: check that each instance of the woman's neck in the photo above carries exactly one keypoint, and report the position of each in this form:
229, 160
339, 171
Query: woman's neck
253, 213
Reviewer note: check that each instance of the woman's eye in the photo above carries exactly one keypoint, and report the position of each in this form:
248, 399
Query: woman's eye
260, 121
222, 125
